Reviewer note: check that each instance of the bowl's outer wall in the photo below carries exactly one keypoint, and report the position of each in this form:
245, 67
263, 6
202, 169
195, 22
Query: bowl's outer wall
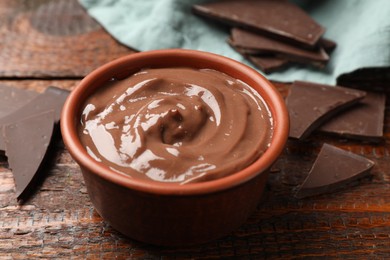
174, 220
176, 215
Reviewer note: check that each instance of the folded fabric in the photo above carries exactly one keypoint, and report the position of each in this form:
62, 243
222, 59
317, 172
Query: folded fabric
361, 29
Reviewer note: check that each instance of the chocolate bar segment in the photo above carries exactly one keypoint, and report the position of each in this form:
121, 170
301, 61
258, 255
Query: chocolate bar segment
12, 99
327, 44
278, 19
26, 142
268, 64
252, 43
333, 169
311, 104
363, 121
52, 99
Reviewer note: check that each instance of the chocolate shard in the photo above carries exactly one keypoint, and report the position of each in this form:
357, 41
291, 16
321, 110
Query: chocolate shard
372, 79
266, 63
12, 98
52, 99
252, 43
364, 121
327, 44
311, 104
278, 19
333, 169
26, 142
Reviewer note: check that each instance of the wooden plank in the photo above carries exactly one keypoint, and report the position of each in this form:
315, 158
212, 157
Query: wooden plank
59, 221
43, 39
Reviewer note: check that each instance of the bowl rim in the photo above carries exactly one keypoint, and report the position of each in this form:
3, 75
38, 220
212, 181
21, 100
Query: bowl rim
278, 109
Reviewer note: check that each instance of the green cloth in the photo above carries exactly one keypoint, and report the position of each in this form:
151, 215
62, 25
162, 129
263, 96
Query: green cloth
361, 29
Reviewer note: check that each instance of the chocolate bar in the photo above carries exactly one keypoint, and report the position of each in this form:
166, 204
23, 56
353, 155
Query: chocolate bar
363, 121
327, 44
26, 142
372, 79
311, 104
26, 134
12, 99
268, 64
333, 169
278, 19
52, 99
255, 44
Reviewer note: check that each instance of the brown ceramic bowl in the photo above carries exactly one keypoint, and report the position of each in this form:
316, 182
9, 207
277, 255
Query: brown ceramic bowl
171, 214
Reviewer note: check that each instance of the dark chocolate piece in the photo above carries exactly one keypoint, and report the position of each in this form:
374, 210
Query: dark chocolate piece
327, 44
268, 64
364, 121
371, 79
12, 98
279, 19
310, 105
26, 142
333, 169
52, 99
252, 43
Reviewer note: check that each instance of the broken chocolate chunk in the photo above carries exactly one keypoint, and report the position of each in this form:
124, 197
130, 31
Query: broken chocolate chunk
327, 44
52, 99
371, 79
311, 104
333, 169
363, 121
251, 43
278, 19
268, 64
26, 142
12, 98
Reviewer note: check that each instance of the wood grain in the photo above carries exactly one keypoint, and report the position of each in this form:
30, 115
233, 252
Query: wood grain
42, 39
59, 221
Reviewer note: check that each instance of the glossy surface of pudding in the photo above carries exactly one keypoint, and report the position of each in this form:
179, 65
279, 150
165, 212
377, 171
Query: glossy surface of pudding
176, 125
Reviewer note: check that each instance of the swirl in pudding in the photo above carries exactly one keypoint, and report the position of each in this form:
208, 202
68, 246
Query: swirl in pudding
177, 125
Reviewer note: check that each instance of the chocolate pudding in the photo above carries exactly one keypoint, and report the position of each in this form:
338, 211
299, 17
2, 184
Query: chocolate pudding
177, 125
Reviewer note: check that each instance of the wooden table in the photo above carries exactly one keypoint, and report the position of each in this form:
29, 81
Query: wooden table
45, 43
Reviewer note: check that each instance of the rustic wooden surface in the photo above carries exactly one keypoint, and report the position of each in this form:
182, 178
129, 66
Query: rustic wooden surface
43, 43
